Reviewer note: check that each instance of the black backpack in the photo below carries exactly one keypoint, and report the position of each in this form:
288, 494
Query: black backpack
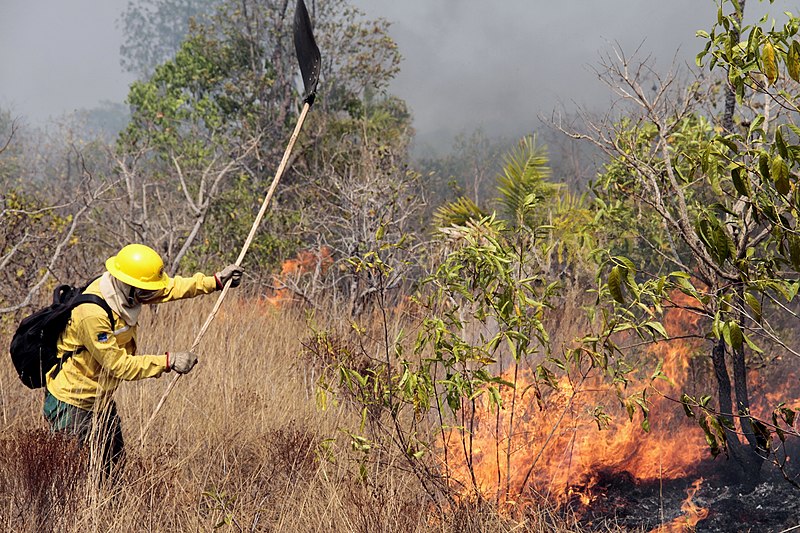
33, 348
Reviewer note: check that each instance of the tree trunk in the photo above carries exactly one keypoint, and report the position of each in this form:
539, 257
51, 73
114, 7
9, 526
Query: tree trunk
748, 456
747, 460
730, 94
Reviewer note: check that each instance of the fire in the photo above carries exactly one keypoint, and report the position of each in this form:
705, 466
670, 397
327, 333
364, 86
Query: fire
305, 262
548, 446
692, 513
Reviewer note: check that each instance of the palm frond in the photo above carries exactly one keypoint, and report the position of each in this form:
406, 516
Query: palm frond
457, 213
524, 182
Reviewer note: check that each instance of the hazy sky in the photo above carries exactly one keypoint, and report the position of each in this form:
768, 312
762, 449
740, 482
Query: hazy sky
467, 63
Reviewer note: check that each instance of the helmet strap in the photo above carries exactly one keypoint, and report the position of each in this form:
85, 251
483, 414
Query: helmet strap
131, 294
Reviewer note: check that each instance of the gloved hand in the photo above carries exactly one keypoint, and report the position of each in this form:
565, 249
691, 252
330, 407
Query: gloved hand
181, 362
230, 272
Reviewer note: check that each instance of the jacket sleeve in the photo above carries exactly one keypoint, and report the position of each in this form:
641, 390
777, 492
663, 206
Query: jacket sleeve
95, 334
179, 288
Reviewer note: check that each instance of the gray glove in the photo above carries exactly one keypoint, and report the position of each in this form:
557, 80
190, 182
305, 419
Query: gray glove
230, 272
181, 362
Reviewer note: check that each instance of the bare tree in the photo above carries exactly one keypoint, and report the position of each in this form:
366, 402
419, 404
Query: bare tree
35, 241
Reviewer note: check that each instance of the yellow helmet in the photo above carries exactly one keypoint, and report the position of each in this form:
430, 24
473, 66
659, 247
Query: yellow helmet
139, 266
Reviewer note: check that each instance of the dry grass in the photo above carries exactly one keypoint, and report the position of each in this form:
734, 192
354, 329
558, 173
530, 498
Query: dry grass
240, 446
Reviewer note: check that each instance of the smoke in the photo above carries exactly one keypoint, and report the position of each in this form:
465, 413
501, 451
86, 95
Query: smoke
57, 57
468, 63
500, 65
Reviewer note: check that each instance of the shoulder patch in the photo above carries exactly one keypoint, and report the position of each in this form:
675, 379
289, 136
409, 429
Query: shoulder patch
102, 337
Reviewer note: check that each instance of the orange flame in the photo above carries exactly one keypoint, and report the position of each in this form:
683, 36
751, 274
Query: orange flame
304, 262
547, 445
692, 513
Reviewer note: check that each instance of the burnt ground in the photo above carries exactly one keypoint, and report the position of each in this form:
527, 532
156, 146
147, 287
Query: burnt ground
619, 503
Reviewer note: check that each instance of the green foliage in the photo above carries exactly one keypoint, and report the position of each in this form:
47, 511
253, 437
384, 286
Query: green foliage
190, 97
751, 54
625, 195
483, 312
208, 126
233, 211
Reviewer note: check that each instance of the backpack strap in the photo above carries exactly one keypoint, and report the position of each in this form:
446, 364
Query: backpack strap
94, 299
85, 299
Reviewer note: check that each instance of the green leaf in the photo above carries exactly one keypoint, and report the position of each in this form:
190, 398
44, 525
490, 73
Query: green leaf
763, 166
656, 327
762, 430
687, 408
794, 128
736, 338
627, 263
756, 125
754, 305
710, 439
788, 415
713, 233
615, 284
740, 185
793, 61
730, 143
794, 250
726, 333
753, 346
780, 175
781, 144
794, 288
494, 397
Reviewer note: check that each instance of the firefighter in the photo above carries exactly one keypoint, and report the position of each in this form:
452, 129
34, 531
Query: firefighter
94, 357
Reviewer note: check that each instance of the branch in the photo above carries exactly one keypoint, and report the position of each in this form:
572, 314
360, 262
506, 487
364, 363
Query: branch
56, 253
7, 258
14, 128
183, 184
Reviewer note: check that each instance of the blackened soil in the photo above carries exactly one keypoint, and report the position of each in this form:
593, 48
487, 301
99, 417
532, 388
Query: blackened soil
621, 504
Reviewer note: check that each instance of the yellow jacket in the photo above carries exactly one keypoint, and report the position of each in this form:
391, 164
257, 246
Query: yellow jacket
104, 357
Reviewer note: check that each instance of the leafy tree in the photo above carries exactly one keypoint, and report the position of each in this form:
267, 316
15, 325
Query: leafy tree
761, 156
209, 126
712, 212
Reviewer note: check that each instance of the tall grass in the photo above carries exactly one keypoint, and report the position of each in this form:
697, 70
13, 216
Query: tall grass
241, 445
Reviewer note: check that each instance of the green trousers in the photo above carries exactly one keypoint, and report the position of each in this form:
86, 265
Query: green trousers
101, 431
